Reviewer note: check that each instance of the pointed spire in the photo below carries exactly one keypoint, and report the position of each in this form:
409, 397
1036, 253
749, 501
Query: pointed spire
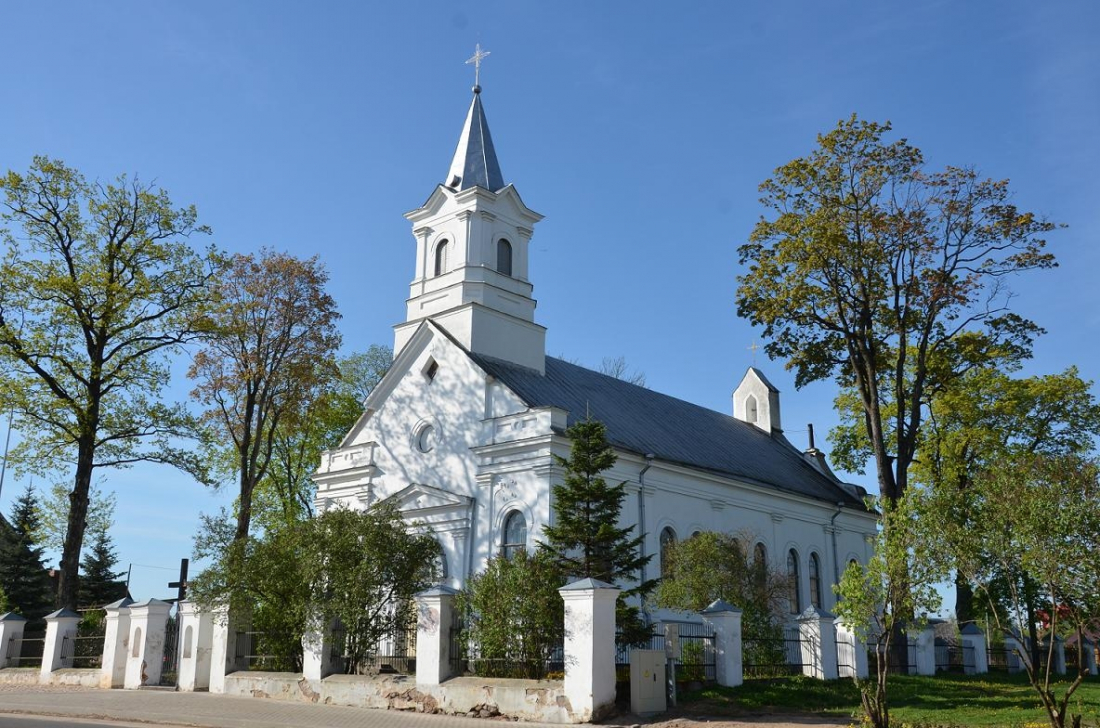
475, 162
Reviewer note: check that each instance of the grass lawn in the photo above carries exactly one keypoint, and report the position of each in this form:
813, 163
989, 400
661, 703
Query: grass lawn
944, 700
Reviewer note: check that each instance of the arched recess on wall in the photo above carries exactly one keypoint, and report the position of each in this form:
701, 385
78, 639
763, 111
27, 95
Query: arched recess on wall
136, 650
188, 637
441, 257
751, 409
667, 541
504, 257
815, 580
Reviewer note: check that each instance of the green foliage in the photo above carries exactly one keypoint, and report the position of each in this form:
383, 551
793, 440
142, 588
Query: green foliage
586, 540
98, 286
712, 566
100, 583
270, 354
53, 515
879, 598
869, 267
23, 575
1036, 522
513, 616
360, 568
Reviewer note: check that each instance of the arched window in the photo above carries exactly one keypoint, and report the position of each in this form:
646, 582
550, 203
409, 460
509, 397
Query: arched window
438, 567
792, 581
668, 540
760, 555
441, 258
515, 535
504, 257
815, 581
750, 409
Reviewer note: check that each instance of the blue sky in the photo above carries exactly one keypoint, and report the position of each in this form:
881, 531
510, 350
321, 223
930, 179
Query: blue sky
641, 130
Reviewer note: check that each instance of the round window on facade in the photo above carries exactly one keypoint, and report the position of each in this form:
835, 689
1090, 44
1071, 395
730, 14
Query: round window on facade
425, 438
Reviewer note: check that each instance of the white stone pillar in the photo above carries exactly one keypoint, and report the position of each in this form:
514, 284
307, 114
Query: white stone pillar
60, 645
148, 624
435, 607
11, 635
973, 637
223, 658
925, 640
726, 621
1014, 654
1059, 656
1088, 656
818, 644
858, 667
589, 648
196, 642
116, 643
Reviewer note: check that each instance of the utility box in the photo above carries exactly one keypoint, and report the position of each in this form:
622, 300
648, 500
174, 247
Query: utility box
647, 682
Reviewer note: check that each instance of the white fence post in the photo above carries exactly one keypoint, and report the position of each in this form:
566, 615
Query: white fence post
116, 643
818, 644
11, 636
973, 637
435, 608
589, 647
1088, 656
223, 657
726, 621
317, 651
1059, 656
925, 646
148, 624
195, 646
857, 667
1014, 654
60, 642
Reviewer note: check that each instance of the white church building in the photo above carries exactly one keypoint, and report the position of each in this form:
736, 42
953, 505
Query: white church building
461, 431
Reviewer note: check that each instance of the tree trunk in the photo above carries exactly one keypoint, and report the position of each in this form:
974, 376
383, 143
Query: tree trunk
68, 582
964, 601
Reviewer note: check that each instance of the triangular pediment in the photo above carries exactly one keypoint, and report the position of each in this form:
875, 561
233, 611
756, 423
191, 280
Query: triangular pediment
420, 498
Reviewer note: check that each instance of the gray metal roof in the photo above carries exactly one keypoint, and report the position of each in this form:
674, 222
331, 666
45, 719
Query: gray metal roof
642, 421
475, 162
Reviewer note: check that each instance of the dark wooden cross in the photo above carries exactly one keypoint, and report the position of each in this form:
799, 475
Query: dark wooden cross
181, 585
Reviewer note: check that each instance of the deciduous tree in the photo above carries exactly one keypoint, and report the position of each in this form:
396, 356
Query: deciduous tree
274, 342
97, 287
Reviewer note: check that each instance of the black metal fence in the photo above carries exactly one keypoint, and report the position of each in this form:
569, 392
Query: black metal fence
85, 647
698, 654
1001, 659
875, 651
772, 657
26, 651
255, 650
466, 659
955, 658
395, 653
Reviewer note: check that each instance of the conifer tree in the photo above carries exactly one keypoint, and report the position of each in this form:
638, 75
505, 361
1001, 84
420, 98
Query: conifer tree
23, 576
100, 583
586, 540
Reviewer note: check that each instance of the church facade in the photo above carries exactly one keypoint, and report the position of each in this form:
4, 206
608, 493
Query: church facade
462, 430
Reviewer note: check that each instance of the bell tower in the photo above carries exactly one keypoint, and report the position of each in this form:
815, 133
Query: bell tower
473, 236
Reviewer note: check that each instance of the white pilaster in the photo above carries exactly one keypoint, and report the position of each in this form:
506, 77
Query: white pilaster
317, 651
223, 658
726, 620
973, 638
433, 635
589, 647
56, 654
858, 659
116, 643
11, 634
818, 644
196, 645
148, 623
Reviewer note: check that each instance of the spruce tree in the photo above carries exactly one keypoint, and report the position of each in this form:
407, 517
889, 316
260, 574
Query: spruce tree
586, 540
23, 576
99, 582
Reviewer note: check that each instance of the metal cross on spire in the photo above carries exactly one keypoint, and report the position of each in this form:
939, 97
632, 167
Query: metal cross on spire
476, 59
753, 349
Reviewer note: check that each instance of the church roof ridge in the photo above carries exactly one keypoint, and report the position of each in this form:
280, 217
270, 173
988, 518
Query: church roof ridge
475, 160
642, 420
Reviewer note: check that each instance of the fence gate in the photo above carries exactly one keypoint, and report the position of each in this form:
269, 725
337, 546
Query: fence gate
169, 665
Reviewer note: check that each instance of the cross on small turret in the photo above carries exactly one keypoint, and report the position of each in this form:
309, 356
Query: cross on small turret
476, 59
753, 349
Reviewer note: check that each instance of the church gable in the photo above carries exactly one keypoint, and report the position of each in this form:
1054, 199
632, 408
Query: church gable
420, 499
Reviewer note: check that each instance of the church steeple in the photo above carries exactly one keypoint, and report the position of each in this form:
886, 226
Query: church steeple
475, 162
473, 235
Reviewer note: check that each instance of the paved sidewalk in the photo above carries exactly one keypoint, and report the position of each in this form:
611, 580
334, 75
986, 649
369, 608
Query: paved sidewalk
213, 711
